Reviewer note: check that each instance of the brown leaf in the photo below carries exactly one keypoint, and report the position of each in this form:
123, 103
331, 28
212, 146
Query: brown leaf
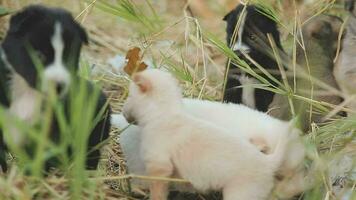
134, 63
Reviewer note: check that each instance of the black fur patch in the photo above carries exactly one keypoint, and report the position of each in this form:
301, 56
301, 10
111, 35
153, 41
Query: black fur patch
4, 103
4, 81
34, 27
256, 28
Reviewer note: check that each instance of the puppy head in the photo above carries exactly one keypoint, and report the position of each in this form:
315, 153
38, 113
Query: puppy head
324, 30
252, 32
148, 88
50, 35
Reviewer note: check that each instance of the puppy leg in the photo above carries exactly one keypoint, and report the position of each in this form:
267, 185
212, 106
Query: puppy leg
159, 189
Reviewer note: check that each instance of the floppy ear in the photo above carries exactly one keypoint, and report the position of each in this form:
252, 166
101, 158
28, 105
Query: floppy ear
226, 17
82, 33
74, 25
22, 21
230, 14
142, 82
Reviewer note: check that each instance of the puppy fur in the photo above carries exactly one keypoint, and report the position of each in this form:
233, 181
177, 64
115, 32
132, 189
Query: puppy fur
345, 69
4, 101
320, 39
263, 134
251, 39
55, 39
193, 147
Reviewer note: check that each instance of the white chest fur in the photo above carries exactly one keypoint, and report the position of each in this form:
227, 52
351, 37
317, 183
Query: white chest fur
25, 105
248, 90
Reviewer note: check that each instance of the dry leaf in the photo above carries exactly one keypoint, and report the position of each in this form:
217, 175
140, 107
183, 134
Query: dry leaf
134, 63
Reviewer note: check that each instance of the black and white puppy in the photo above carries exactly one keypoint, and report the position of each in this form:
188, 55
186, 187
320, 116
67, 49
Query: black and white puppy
251, 39
56, 40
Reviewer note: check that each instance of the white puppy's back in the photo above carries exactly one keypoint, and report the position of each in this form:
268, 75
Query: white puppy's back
174, 141
232, 117
210, 157
252, 123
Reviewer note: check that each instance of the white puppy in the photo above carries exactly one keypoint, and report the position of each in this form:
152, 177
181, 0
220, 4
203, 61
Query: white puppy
208, 156
257, 127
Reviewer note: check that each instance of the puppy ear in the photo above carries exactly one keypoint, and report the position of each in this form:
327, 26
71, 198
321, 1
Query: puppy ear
142, 82
82, 33
226, 17
74, 25
23, 20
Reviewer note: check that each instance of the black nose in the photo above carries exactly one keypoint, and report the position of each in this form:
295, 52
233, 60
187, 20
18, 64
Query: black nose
60, 88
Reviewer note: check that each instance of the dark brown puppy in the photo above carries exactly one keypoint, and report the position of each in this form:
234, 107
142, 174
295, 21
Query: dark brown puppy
320, 36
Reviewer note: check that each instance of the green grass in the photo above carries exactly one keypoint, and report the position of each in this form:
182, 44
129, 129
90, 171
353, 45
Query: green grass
190, 59
4, 11
76, 120
324, 142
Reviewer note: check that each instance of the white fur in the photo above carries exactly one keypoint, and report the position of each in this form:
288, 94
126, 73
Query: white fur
5, 60
26, 101
56, 72
248, 91
25, 104
130, 141
176, 142
239, 45
252, 123
254, 126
